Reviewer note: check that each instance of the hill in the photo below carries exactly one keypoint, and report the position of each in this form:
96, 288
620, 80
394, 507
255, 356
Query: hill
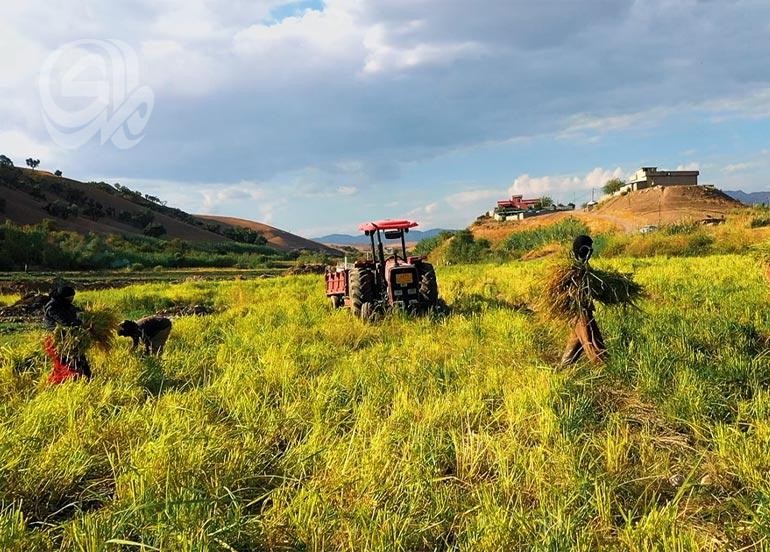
97, 207
279, 239
627, 213
666, 205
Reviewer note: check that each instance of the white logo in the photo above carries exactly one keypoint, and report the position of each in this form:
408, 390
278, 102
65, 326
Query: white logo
90, 87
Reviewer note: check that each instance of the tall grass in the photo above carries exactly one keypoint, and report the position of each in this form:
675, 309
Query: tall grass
279, 424
563, 231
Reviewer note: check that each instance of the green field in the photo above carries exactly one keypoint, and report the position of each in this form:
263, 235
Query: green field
279, 424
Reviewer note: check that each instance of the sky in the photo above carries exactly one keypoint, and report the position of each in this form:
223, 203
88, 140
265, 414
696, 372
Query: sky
314, 116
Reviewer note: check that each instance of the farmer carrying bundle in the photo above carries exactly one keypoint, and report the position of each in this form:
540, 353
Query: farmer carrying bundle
572, 289
73, 333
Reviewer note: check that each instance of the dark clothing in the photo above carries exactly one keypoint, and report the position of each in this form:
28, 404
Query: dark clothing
60, 312
153, 334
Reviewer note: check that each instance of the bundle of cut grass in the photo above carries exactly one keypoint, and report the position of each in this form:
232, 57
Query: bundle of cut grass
97, 330
571, 289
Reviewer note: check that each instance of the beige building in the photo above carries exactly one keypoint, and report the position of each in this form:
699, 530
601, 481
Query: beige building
646, 177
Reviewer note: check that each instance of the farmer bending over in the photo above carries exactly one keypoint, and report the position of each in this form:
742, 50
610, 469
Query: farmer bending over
585, 336
151, 331
59, 312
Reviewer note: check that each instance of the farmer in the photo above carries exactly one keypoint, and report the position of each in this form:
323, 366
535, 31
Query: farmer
151, 331
585, 336
60, 312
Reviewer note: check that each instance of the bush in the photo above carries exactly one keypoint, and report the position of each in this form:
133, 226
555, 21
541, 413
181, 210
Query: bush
759, 222
678, 228
426, 246
563, 231
613, 185
669, 245
43, 246
465, 249
154, 229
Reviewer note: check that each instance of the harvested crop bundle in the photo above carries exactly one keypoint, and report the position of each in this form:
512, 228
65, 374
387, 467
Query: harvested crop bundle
97, 330
571, 289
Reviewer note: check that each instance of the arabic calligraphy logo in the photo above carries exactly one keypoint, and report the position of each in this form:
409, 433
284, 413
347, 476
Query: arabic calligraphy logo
90, 87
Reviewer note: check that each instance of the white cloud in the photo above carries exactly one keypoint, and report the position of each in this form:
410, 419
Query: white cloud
559, 185
18, 146
737, 167
692, 166
472, 197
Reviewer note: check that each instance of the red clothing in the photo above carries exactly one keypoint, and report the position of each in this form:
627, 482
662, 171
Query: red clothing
61, 370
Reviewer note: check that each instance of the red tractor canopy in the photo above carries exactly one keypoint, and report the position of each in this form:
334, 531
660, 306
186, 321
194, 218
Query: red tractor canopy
388, 224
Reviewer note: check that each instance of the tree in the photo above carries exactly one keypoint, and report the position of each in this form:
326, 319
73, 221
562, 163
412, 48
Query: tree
154, 229
545, 201
33, 163
613, 185
5, 162
57, 173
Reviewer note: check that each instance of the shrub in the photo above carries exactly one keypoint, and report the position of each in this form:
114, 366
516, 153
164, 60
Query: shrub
424, 247
563, 231
678, 228
465, 249
759, 221
613, 185
154, 229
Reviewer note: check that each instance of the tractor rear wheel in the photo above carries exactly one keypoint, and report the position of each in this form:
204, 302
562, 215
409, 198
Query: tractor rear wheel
361, 289
428, 285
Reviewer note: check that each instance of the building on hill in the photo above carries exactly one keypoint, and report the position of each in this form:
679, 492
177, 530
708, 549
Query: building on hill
647, 177
517, 202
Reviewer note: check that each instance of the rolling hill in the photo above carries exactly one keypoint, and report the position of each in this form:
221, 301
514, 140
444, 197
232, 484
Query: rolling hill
33, 196
280, 239
628, 213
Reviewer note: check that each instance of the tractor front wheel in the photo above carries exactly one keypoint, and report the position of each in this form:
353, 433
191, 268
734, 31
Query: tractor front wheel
361, 289
428, 285
336, 301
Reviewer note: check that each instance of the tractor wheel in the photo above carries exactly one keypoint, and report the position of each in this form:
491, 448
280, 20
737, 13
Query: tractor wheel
428, 285
335, 301
361, 289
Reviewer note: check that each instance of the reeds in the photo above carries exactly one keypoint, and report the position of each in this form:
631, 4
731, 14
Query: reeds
571, 288
97, 330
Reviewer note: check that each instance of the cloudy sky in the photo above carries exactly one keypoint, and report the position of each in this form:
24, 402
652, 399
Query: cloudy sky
313, 116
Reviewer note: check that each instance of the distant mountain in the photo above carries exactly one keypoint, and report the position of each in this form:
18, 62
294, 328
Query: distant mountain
347, 239
751, 198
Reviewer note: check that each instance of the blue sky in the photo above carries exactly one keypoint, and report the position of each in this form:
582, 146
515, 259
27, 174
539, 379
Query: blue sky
313, 116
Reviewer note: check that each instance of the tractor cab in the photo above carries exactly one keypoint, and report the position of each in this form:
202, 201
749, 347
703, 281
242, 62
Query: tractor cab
386, 281
390, 230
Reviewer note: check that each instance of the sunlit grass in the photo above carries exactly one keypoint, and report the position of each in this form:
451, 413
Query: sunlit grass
276, 423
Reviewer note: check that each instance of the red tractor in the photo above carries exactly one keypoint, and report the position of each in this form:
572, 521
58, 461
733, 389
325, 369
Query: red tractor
383, 283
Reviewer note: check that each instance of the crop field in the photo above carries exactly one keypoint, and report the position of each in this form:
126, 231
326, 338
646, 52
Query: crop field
278, 424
